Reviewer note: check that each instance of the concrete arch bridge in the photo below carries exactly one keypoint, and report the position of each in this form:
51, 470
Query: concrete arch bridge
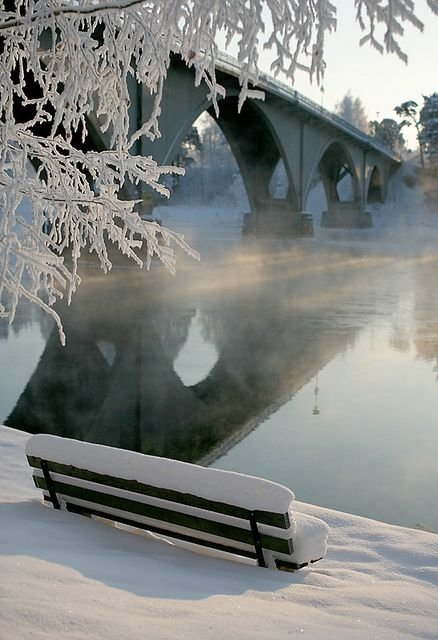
287, 127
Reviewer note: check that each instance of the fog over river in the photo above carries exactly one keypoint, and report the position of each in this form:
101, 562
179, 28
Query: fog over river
312, 362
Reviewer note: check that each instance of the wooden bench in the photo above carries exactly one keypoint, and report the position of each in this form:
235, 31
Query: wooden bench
237, 515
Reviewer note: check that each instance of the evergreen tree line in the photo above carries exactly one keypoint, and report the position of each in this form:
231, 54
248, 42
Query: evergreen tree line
389, 131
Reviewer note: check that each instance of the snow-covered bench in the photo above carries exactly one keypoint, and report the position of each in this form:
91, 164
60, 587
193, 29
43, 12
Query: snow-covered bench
201, 507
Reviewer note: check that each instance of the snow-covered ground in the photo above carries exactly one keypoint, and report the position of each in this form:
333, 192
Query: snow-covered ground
66, 576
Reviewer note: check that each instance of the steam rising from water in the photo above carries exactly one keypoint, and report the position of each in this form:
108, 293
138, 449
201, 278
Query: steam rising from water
269, 316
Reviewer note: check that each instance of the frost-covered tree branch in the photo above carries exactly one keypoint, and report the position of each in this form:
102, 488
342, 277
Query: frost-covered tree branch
63, 61
374, 16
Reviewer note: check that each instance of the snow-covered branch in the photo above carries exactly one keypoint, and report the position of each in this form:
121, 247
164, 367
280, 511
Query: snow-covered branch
63, 62
375, 15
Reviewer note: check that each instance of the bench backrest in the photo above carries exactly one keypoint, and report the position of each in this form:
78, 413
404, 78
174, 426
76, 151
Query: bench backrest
196, 516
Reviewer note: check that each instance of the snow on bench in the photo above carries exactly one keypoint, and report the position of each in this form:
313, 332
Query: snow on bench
207, 508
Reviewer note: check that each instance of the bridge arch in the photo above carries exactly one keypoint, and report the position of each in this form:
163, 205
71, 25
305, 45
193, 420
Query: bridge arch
335, 166
258, 151
279, 185
375, 191
183, 126
343, 186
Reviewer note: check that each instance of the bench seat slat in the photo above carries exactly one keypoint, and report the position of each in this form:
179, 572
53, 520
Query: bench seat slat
211, 527
78, 505
82, 510
279, 520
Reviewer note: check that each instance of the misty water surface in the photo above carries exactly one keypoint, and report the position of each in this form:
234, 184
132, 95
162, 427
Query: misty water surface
310, 362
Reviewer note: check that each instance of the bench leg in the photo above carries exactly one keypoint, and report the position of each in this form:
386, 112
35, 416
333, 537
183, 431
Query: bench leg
257, 540
50, 484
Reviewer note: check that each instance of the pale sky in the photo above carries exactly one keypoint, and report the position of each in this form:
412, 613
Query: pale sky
380, 81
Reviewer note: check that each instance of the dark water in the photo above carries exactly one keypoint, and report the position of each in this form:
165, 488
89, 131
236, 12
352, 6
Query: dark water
313, 363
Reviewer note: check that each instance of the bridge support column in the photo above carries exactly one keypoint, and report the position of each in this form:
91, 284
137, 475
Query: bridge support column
346, 215
343, 176
257, 150
275, 218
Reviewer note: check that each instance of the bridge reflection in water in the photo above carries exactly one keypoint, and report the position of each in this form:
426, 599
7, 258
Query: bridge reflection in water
333, 347
269, 317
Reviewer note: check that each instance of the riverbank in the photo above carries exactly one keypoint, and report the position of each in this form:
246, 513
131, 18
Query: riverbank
68, 577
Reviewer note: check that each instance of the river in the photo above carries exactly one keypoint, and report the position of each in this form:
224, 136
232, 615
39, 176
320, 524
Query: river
310, 362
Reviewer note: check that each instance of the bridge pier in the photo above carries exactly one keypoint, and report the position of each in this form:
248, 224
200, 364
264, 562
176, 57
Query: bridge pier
343, 175
346, 215
274, 218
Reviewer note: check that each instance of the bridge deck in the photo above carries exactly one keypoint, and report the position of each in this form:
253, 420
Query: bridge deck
228, 64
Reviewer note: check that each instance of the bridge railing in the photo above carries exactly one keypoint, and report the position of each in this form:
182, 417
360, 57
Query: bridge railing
226, 62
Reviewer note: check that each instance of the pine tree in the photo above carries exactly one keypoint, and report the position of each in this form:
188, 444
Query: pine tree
408, 111
188, 154
352, 110
429, 123
388, 132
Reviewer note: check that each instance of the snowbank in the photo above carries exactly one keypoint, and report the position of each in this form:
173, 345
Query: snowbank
68, 577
